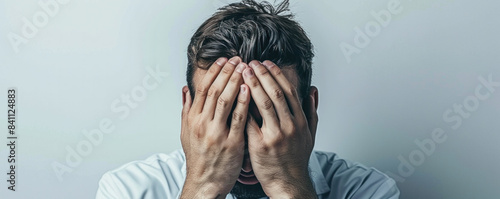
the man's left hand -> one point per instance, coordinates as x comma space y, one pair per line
280, 149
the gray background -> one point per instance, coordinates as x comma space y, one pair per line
373, 108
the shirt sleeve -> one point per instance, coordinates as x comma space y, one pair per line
343, 179
108, 188
386, 190
159, 176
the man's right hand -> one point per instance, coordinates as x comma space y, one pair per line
214, 150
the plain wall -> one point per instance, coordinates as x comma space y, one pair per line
391, 104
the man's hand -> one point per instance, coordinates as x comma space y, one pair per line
280, 149
214, 150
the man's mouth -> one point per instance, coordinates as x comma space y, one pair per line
247, 177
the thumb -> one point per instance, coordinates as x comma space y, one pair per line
186, 101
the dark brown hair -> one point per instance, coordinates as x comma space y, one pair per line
253, 31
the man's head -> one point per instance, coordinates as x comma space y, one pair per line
252, 31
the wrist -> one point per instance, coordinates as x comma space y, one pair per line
197, 189
292, 188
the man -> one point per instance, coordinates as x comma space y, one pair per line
248, 121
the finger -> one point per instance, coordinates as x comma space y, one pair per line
185, 110
186, 99
218, 86
226, 99
263, 102
289, 90
240, 113
253, 130
206, 82
273, 90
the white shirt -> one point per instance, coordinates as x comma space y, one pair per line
162, 176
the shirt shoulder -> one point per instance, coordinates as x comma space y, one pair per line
347, 179
158, 176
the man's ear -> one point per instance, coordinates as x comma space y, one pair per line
185, 89
314, 93
310, 109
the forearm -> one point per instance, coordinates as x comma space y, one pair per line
293, 188
199, 190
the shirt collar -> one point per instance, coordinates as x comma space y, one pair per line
317, 176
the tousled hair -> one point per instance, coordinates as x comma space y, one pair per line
253, 31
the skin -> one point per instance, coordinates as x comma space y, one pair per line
279, 148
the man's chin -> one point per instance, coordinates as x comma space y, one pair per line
242, 191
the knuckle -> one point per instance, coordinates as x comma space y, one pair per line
211, 140
226, 70
236, 127
268, 104
198, 134
234, 79
241, 101
291, 128
278, 93
201, 90
277, 139
262, 71
229, 146
238, 117
275, 70
263, 147
292, 91
213, 92
254, 83
222, 102
214, 68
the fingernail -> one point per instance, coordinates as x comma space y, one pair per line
221, 61
234, 61
240, 68
268, 64
243, 89
249, 72
253, 64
